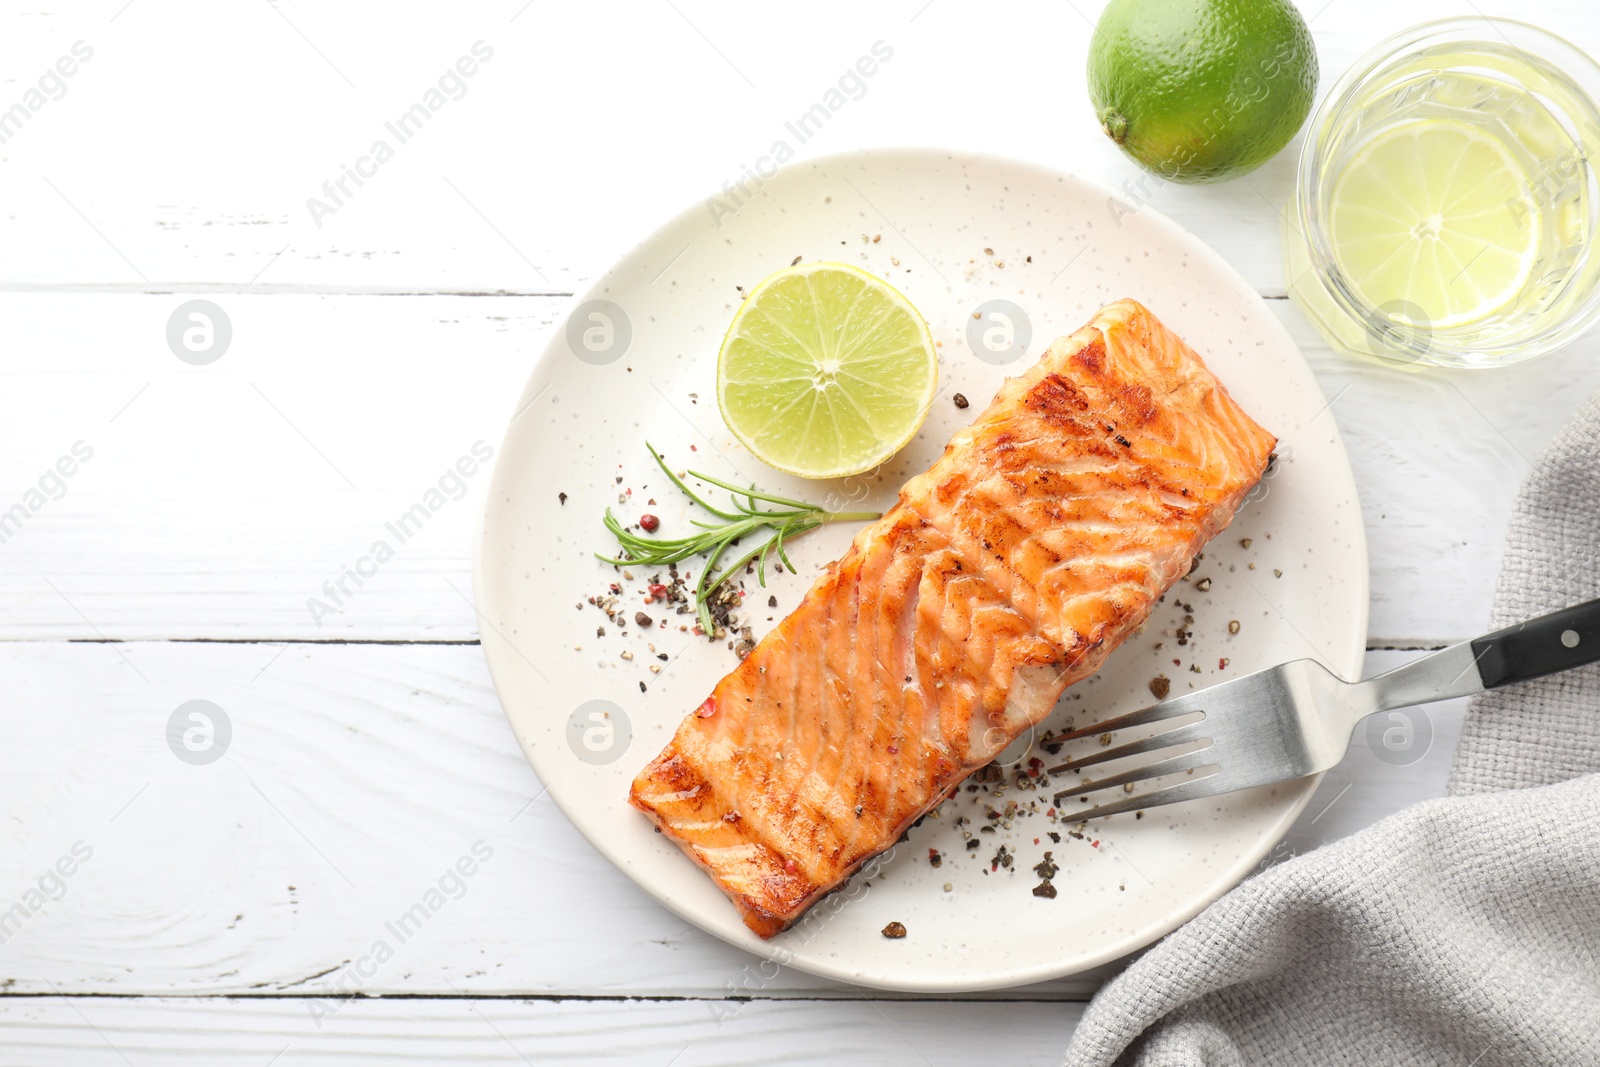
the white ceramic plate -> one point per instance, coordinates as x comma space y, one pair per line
952, 232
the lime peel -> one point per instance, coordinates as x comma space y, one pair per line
1202, 90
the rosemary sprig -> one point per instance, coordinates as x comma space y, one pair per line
788, 520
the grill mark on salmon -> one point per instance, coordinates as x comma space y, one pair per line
1009, 570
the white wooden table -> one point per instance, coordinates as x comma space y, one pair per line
221, 914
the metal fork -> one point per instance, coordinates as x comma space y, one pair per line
1296, 719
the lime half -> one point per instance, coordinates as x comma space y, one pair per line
1420, 217
825, 371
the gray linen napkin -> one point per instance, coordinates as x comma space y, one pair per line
1460, 931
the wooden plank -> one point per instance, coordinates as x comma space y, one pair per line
220, 499
356, 777
684, 1033
544, 164
1439, 457
354, 780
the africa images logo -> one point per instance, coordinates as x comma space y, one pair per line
851, 85
451, 486
451, 85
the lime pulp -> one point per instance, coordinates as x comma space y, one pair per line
1430, 221
825, 371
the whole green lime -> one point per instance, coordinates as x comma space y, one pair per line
1201, 90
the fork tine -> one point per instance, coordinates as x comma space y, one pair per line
1204, 784
1167, 709
1190, 732
1184, 761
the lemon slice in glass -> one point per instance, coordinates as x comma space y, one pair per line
825, 371
1424, 216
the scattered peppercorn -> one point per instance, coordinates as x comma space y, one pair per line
1233, 626
961, 401
772, 601
1160, 686
642, 619
1203, 584
895, 931
649, 523
563, 497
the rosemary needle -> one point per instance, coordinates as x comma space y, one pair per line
788, 519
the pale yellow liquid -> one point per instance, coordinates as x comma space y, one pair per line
1456, 206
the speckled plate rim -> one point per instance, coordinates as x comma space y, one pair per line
1347, 659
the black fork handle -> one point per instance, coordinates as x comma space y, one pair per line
1556, 642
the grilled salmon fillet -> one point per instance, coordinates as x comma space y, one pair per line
1009, 570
